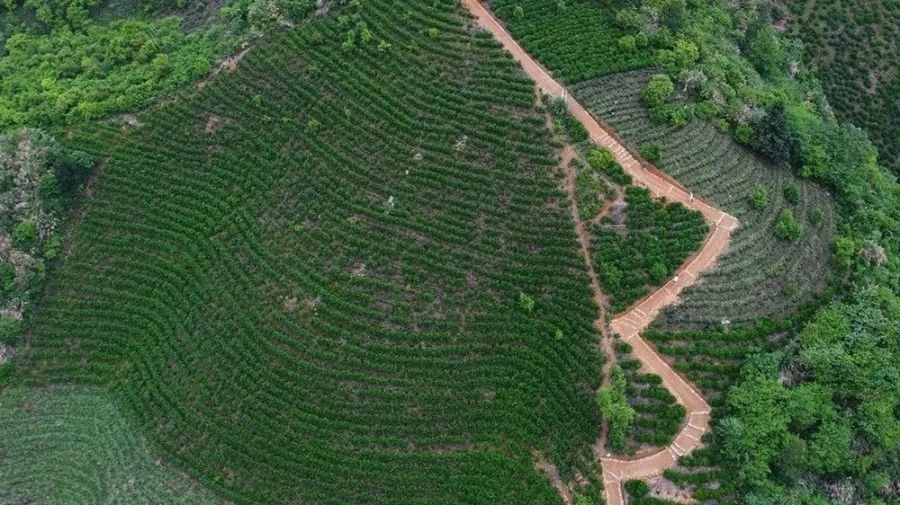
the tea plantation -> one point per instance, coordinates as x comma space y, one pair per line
576, 39
65, 445
302, 281
855, 46
761, 275
341, 252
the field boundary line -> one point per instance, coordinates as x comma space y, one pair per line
630, 324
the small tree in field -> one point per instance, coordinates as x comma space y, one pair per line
658, 90
787, 227
792, 194
658, 273
519, 13
759, 197
615, 409
651, 152
526, 302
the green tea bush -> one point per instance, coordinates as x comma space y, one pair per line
577, 41
747, 283
658, 237
658, 416
334, 317
79, 437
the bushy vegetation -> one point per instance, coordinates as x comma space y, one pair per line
617, 413
332, 311
841, 159
824, 412
855, 48
658, 416
59, 65
601, 160
70, 76
787, 227
760, 275
69, 445
728, 64
638, 493
656, 239
563, 121
40, 182
576, 39
591, 191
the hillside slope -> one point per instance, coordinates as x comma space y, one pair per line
303, 281
855, 46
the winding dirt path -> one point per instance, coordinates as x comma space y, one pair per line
629, 324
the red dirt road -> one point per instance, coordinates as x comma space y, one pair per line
633, 321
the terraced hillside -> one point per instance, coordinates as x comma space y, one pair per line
68, 445
855, 46
654, 239
761, 275
306, 281
576, 39
657, 415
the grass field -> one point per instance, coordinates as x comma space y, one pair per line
67, 445
760, 275
576, 39
855, 46
303, 280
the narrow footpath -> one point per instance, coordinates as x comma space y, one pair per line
629, 324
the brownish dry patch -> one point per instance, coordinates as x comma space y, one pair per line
214, 122
546, 467
228, 64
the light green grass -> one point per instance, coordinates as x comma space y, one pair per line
71, 446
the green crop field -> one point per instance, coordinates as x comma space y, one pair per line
855, 46
344, 252
657, 415
656, 238
760, 275
303, 281
66, 445
576, 39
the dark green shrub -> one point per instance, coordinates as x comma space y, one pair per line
25, 234
787, 227
602, 160
651, 152
792, 194
9, 329
658, 91
637, 488
759, 197
7, 278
